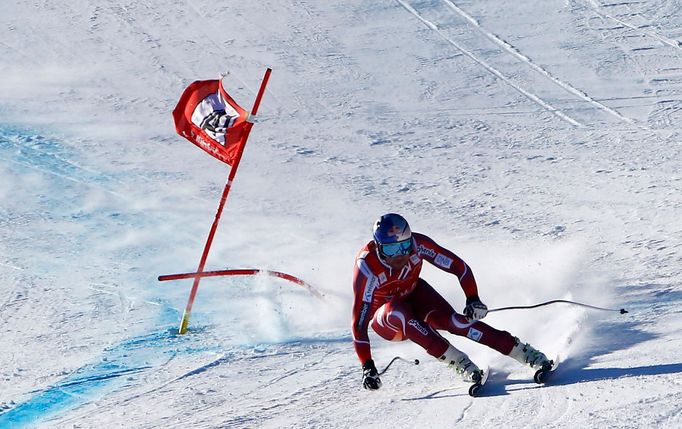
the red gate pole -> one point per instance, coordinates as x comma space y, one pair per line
233, 170
245, 272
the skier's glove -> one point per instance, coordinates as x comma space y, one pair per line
370, 376
475, 309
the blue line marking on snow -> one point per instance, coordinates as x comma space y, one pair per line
116, 369
120, 365
40, 153
128, 362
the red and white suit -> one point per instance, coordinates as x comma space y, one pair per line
400, 305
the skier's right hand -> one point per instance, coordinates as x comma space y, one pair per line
370, 376
475, 309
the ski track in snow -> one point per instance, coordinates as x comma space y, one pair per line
534, 98
596, 7
513, 51
667, 108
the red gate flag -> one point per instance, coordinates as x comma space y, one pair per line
207, 116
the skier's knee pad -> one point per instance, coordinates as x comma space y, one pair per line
389, 324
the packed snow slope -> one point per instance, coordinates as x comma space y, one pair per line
539, 140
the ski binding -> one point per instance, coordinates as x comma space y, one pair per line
475, 389
543, 374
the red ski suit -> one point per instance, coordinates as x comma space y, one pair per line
401, 306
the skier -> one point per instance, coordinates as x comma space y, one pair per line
390, 295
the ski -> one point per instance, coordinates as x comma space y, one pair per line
476, 388
543, 374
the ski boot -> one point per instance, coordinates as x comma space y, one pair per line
529, 355
465, 368
462, 365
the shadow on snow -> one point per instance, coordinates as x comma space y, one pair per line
613, 336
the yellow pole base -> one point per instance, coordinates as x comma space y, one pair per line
185, 323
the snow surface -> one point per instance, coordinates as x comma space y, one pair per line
539, 140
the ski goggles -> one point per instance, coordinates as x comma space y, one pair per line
396, 249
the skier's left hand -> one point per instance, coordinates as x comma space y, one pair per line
370, 376
475, 309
